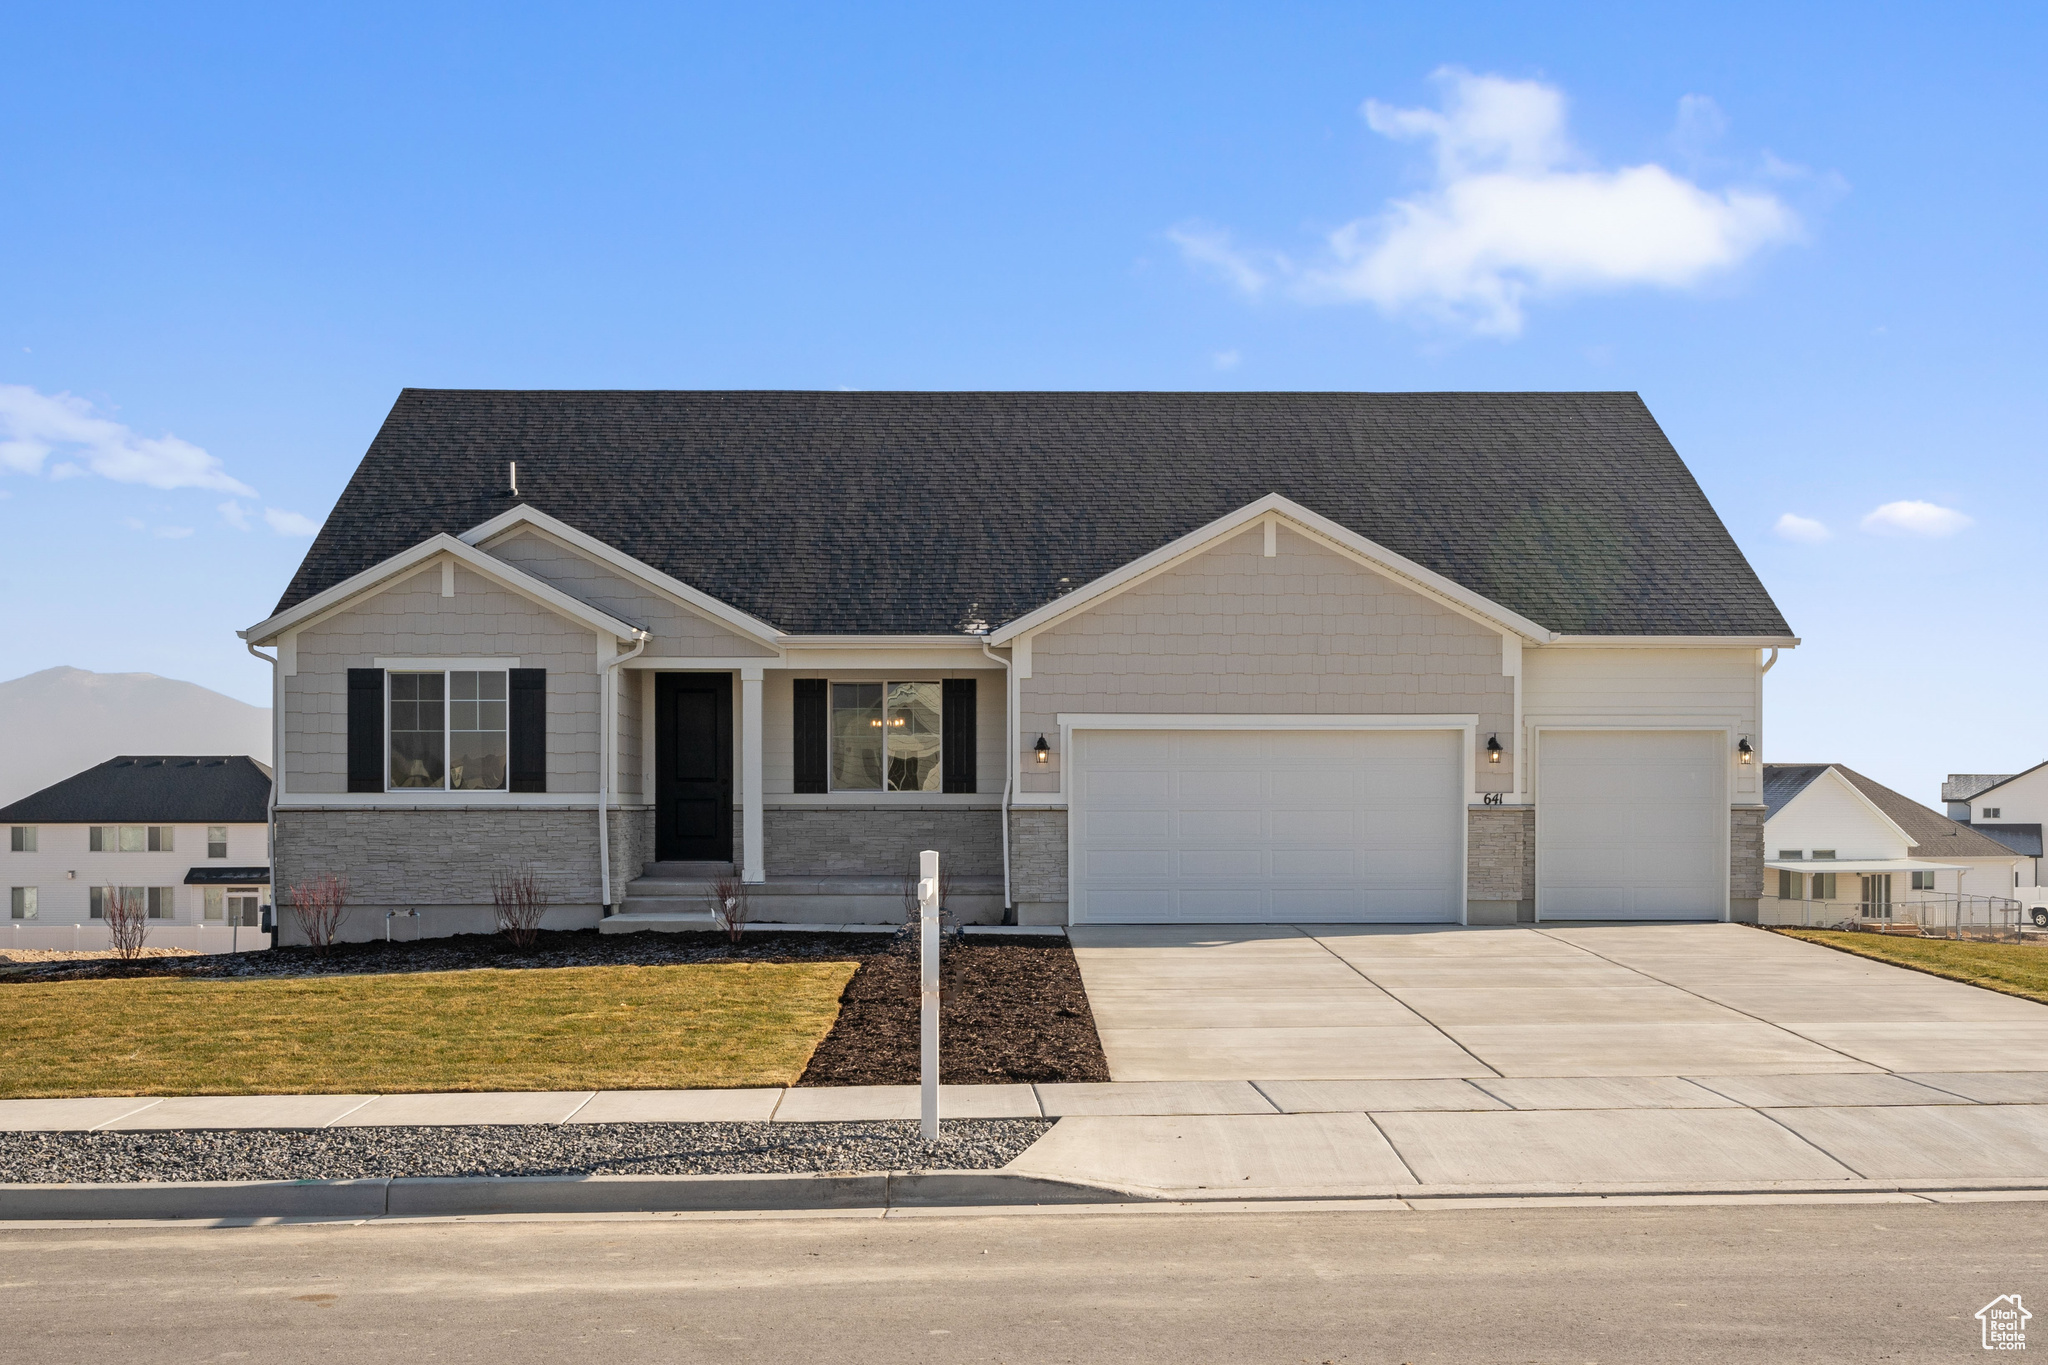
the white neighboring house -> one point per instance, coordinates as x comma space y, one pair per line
184, 836
2011, 808
1832, 834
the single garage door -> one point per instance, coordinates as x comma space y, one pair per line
1631, 824
1249, 826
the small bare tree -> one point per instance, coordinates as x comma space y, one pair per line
321, 906
127, 919
521, 901
730, 906
911, 908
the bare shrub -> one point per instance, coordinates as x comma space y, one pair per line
520, 901
730, 906
911, 908
127, 919
321, 907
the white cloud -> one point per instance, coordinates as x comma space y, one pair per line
234, 514
174, 532
1915, 519
1212, 250
34, 426
1700, 124
290, 523
1225, 360
1514, 212
134, 523
1792, 526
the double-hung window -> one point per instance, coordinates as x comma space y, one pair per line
887, 736
449, 730
216, 841
21, 902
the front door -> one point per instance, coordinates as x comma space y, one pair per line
1877, 896
693, 767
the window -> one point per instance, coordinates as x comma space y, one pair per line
215, 904
22, 839
886, 736
160, 840
448, 730
1923, 881
1789, 855
1788, 884
132, 897
1823, 854
130, 839
21, 902
162, 902
1823, 886
216, 841
1990, 813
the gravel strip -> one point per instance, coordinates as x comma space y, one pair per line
526, 1149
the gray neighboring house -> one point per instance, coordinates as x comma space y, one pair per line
2011, 808
1120, 657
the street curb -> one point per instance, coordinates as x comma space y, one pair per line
442, 1197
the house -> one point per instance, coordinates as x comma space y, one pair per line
1834, 835
185, 837
1119, 657
2008, 807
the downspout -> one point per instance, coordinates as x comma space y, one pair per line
276, 781
604, 765
1771, 662
1009, 767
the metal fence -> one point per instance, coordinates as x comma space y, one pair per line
1992, 919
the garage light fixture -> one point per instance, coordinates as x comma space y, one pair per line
1043, 751
1493, 749
1743, 753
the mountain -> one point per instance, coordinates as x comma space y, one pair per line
63, 720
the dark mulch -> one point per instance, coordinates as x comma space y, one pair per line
1012, 1010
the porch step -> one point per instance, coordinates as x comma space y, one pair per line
689, 871
823, 899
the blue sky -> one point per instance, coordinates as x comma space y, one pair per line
1811, 238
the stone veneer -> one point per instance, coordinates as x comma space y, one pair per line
881, 841
1745, 862
1038, 865
1500, 864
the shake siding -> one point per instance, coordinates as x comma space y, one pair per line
1714, 687
412, 620
1232, 632
778, 737
677, 630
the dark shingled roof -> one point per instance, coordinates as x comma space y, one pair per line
916, 512
1783, 781
153, 789
2025, 839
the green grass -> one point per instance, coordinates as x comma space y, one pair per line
571, 1028
2013, 968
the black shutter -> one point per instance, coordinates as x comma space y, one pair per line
812, 723
956, 734
529, 721
366, 729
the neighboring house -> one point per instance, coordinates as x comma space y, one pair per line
1833, 834
1118, 657
185, 837
2008, 807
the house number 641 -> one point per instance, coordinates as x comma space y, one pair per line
1491, 799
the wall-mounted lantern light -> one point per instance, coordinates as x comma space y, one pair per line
1743, 753
1043, 751
1493, 749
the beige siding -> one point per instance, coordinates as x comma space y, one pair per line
778, 733
411, 619
1705, 687
678, 631
1309, 631
630, 782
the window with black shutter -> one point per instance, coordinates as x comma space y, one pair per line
957, 729
366, 729
811, 728
529, 723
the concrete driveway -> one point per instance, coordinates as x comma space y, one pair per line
1336, 1003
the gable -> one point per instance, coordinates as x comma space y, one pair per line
1831, 813
675, 628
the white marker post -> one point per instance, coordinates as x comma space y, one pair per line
928, 993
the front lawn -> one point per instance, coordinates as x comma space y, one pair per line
572, 1028
2013, 968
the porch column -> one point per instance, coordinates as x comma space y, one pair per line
753, 867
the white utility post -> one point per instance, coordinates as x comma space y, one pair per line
928, 992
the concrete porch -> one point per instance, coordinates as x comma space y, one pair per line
675, 897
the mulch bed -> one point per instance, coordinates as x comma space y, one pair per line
1012, 1009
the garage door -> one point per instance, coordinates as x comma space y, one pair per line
1205, 826
1631, 824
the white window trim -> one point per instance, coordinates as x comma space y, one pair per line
444, 667
831, 740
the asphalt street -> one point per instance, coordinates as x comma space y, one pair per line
1848, 1282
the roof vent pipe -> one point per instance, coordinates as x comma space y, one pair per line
514, 467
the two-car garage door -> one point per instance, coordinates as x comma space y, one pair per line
1220, 826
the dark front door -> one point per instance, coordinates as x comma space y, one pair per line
693, 767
